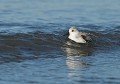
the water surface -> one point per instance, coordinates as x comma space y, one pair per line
34, 50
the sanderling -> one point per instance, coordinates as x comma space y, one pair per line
79, 37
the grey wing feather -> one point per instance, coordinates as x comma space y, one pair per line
85, 36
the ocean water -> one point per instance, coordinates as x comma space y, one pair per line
35, 50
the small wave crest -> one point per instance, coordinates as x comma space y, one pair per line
21, 45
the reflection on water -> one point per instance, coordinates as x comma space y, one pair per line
74, 49
74, 62
75, 65
75, 58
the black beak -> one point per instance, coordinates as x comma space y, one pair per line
66, 34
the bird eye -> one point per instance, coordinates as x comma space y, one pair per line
72, 30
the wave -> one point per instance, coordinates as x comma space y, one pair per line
21, 46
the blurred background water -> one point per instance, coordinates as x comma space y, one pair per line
34, 50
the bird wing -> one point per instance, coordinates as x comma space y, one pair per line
85, 36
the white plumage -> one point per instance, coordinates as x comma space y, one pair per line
79, 37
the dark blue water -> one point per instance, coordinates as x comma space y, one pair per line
34, 50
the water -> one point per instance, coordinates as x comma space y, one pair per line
34, 50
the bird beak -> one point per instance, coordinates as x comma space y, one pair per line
66, 34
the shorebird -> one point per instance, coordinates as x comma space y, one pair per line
79, 37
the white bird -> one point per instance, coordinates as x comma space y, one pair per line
79, 37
